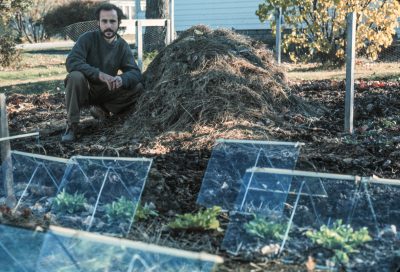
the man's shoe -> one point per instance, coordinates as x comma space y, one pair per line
70, 133
99, 114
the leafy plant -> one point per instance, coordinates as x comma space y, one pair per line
203, 220
340, 238
70, 203
144, 212
386, 123
122, 209
263, 228
318, 27
8, 52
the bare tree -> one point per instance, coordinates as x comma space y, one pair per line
29, 23
154, 37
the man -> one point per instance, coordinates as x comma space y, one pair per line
93, 78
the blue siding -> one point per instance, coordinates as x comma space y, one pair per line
237, 14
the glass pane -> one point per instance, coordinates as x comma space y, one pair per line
264, 190
100, 194
312, 200
229, 161
67, 250
19, 249
36, 180
249, 233
377, 207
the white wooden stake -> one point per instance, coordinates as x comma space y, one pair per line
350, 67
172, 18
6, 155
139, 43
278, 17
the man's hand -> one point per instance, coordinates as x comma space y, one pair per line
117, 83
113, 83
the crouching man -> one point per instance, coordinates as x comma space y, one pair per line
93, 65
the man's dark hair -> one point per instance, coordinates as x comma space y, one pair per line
108, 6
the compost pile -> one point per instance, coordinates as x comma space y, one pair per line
210, 77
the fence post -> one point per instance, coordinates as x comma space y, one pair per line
278, 18
6, 155
168, 35
137, 10
172, 18
139, 29
350, 66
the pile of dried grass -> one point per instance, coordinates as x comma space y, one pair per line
209, 77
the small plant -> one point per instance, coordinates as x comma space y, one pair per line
263, 228
203, 220
122, 209
144, 212
69, 203
340, 238
385, 123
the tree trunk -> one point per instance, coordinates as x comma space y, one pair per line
154, 37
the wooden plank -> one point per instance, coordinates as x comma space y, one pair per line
153, 22
118, 242
6, 155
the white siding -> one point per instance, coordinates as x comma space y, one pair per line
237, 14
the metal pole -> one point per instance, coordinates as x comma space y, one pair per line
278, 17
350, 67
172, 18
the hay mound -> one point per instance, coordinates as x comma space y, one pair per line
209, 77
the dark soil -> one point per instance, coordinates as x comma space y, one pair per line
180, 159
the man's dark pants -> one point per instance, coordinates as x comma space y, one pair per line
81, 93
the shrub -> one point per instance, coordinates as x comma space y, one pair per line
8, 52
74, 12
318, 28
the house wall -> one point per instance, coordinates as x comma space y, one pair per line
236, 14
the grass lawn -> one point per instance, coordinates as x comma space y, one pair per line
38, 72
364, 70
34, 73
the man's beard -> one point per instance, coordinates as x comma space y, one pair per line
114, 33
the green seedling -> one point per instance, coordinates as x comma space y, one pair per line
146, 211
385, 123
65, 202
263, 228
203, 220
342, 239
122, 209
